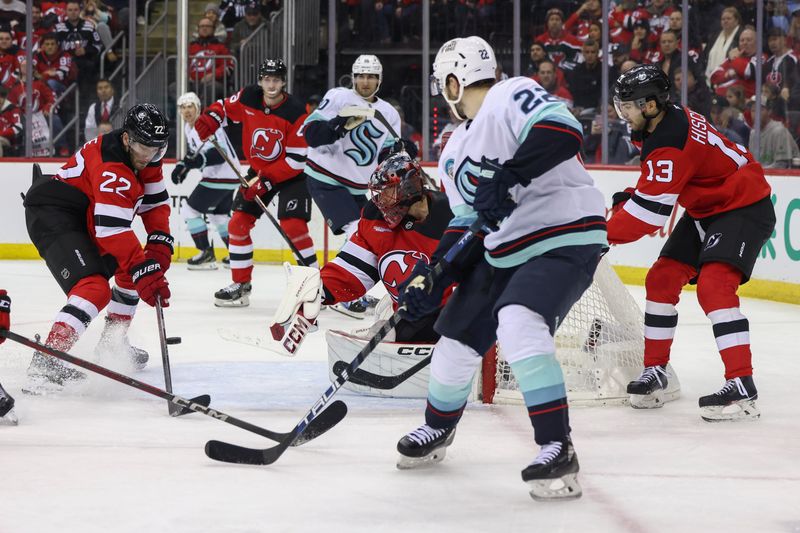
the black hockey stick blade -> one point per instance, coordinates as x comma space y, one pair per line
175, 410
232, 453
377, 381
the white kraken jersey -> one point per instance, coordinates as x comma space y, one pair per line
219, 175
464, 214
350, 161
560, 207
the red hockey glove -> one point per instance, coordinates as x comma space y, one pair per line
259, 187
149, 281
159, 247
5, 312
207, 123
619, 199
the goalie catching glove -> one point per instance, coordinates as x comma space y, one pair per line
297, 313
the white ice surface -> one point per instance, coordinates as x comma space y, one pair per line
108, 458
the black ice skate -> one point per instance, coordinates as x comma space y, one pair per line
355, 309
234, 295
553, 475
7, 415
654, 387
47, 375
424, 446
736, 400
205, 260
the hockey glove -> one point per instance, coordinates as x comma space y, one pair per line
149, 281
338, 125
194, 161
492, 201
258, 186
399, 145
207, 123
619, 199
418, 296
5, 312
179, 173
159, 247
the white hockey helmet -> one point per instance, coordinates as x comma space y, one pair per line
469, 59
367, 64
190, 98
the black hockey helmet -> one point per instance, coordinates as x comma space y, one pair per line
147, 127
642, 83
396, 185
272, 67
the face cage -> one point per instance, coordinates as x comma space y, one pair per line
152, 154
394, 202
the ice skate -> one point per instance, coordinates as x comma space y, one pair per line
234, 295
653, 388
7, 414
205, 260
355, 309
736, 400
424, 446
553, 475
48, 375
114, 343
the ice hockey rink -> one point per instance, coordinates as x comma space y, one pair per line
108, 458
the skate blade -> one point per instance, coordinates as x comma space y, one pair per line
244, 301
654, 400
737, 411
202, 266
563, 488
41, 386
9, 419
345, 311
410, 463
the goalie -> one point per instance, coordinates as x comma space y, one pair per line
400, 225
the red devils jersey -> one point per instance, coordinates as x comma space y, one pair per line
271, 136
103, 172
686, 161
376, 252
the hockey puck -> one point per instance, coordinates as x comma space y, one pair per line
173, 340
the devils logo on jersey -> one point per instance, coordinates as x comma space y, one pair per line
267, 144
396, 266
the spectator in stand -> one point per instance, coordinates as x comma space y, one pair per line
559, 44
644, 43
620, 148
10, 125
724, 119
245, 27
585, 78
777, 146
52, 66
793, 35
80, 38
375, 18
776, 15
669, 57
408, 19
698, 96
537, 55
620, 53
578, 23
657, 14
621, 21
103, 127
747, 12
627, 65
101, 110
781, 68
98, 14
9, 59
12, 14
231, 12
207, 73
547, 79
220, 31
723, 45
676, 25
739, 69
40, 27
737, 101
42, 107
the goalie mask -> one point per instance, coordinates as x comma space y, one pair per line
396, 185
469, 59
367, 64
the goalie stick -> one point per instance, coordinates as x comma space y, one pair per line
231, 453
333, 415
260, 202
377, 381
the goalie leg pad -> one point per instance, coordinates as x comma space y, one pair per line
297, 313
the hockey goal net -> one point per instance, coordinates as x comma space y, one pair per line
600, 346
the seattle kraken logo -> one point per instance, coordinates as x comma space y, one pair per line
466, 179
363, 139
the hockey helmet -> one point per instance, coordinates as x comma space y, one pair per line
190, 98
272, 67
147, 131
640, 84
396, 185
469, 59
367, 64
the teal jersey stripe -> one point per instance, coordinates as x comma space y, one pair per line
540, 378
220, 186
541, 247
555, 111
330, 181
447, 397
314, 116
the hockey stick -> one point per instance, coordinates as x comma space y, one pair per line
260, 202
231, 453
377, 381
382, 119
174, 410
332, 416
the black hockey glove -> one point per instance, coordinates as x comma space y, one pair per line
399, 145
418, 297
179, 173
337, 124
492, 201
5, 312
194, 161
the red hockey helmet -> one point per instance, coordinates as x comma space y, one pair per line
396, 185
